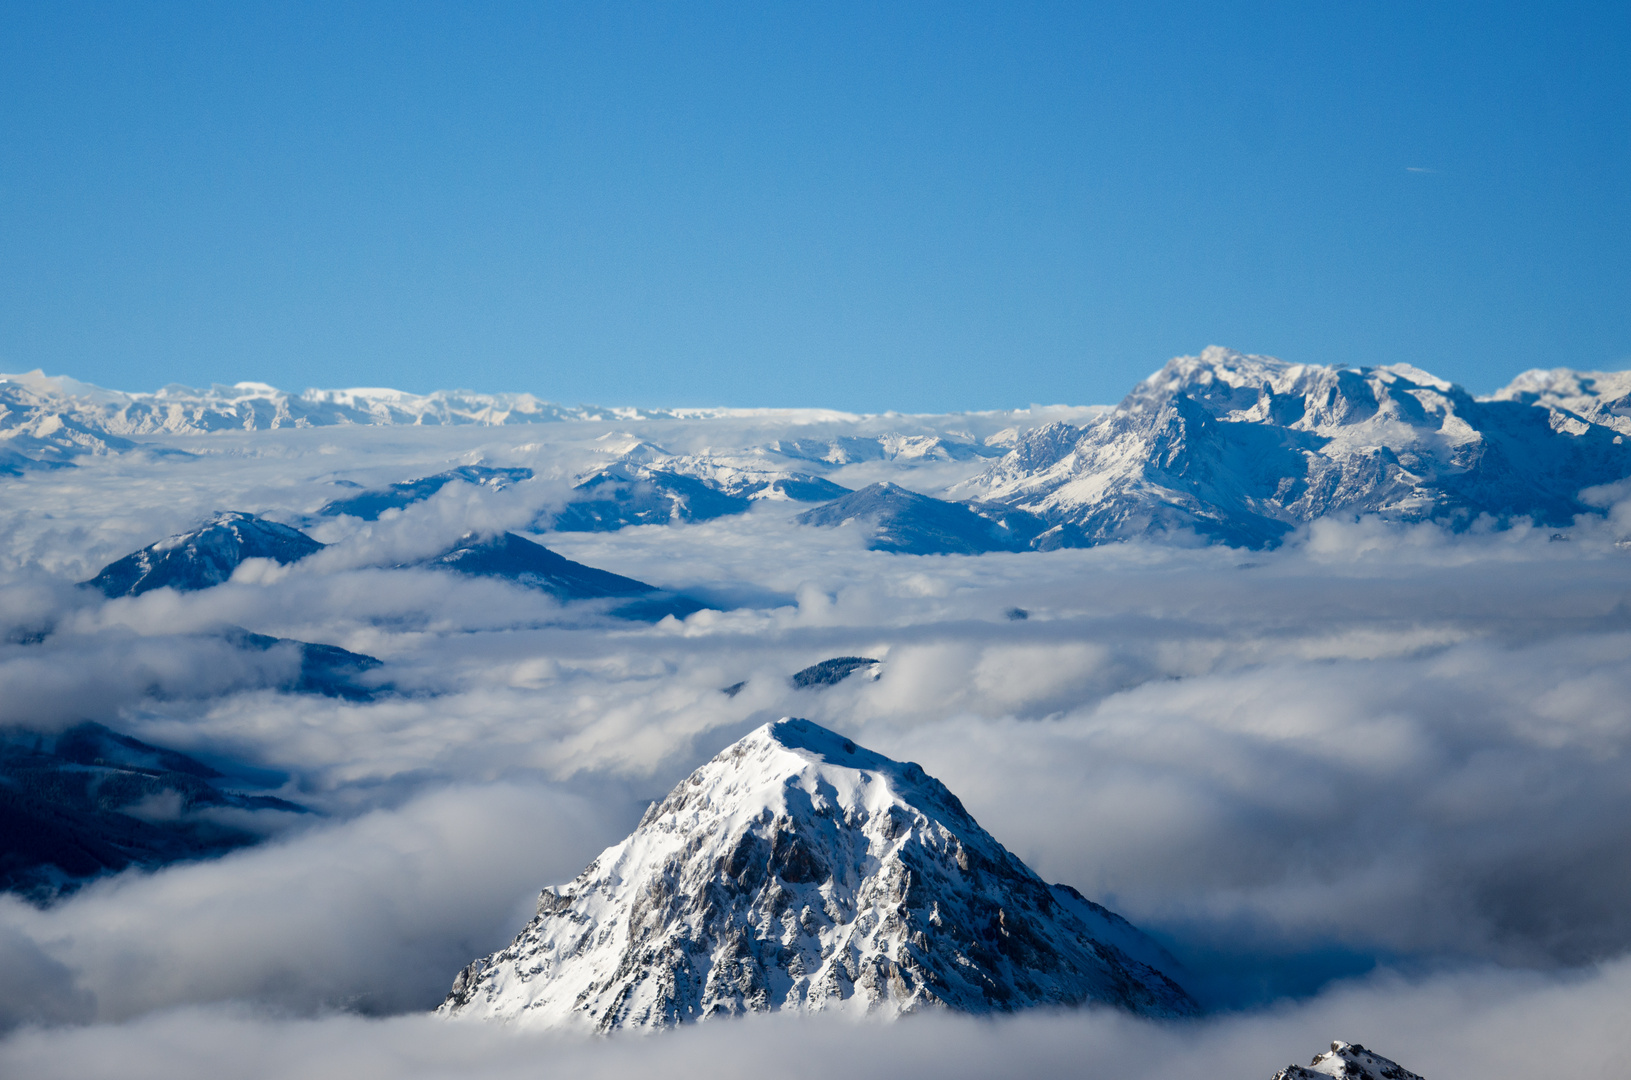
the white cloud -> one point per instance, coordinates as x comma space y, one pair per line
1487, 1023
372, 914
1380, 744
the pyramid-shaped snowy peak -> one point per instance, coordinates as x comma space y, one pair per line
799, 871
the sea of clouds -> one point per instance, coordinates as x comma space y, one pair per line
1374, 785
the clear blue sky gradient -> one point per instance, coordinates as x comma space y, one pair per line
918, 207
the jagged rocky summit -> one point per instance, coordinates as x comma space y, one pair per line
1349, 1060
799, 871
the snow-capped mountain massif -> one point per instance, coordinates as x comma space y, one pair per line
798, 871
1348, 1060
1243, 449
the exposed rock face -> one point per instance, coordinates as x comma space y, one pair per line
1242, 449
1348, 1060
204, 557
798, 871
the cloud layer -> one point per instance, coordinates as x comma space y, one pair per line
1381, 755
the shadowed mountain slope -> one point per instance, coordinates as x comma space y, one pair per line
908, 523
204, 557
515, 558
88, 801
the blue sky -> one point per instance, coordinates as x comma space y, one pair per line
915, 207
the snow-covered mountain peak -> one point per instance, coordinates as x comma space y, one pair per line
793, 766
797, 870
1350, 1061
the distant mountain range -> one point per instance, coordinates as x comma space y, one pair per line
798, 871
1220, 447
31, 400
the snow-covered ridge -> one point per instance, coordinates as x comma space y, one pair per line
799, 871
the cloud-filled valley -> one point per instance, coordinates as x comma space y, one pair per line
1366, 782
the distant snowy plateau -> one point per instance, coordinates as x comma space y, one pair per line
1290, 700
